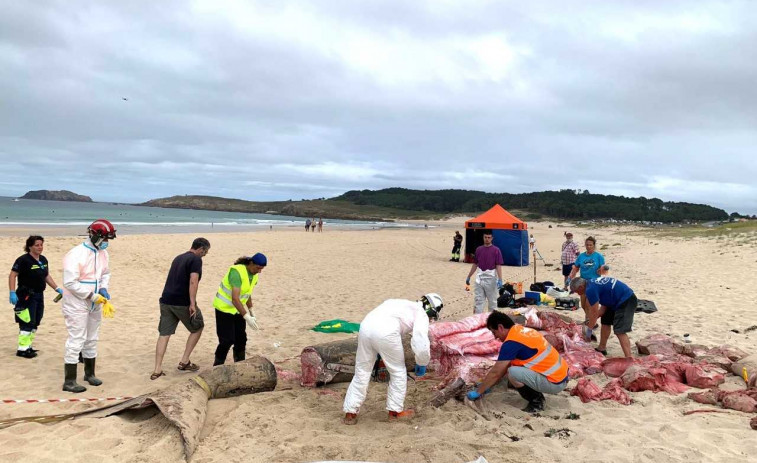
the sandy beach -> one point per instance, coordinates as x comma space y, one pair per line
701, 287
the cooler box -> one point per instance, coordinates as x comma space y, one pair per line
535, 295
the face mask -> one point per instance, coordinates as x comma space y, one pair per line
103, 246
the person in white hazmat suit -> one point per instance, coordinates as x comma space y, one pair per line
381, 333
86, 276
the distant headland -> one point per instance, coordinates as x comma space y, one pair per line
58, 195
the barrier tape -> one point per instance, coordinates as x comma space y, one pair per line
51, 401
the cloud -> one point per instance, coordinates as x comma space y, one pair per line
308, 99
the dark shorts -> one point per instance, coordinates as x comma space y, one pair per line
171, 315
566, 269
621, 318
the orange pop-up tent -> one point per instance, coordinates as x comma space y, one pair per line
509, 233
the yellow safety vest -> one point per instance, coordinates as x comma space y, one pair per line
222, 300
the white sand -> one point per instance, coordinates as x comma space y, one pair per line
701, 287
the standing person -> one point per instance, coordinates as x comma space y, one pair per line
457, 243
568, 256
533, 367
86, 277
178, 303
488, 260
28, 298
313, 225
614, 303
589, 264
532, 243
233, 304
381, 333
307, 225
320, 224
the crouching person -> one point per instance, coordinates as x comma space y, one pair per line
533, 367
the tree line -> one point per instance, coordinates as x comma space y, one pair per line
564, 204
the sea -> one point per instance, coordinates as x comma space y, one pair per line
37, 215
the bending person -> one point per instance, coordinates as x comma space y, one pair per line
28, 298
86, 277
612, 301
233, 304
533, 367
381, 334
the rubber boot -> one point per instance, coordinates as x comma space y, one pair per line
239, 356
70, 384
89, 372
535, 399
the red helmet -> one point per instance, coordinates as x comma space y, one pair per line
101, 229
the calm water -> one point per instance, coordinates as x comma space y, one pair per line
36, 213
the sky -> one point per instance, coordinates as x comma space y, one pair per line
261, 100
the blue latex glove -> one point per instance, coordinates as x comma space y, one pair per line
13, 298
499, 283
587, 332
467, 281
104, 293
420, 370
473, 395
59, 291
476, 385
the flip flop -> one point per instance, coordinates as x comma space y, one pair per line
155, 376
189, 366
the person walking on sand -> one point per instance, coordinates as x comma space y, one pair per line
568, 256
178, 303
86, 277
457, 243
307, 225
488, 260
233, 304
320, 224
28, 298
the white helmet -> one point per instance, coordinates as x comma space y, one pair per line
433, 304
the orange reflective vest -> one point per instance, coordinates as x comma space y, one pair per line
547, 361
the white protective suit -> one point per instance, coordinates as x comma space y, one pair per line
85, 271
381, 333
485, 291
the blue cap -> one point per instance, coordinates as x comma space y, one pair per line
259, 259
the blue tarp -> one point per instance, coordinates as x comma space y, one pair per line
513, 244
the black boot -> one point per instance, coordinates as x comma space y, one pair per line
89, 372
70, 384
239, 355
535, 399
219, 361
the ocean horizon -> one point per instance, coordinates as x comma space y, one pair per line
22, 213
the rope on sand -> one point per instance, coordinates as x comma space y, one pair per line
50, 401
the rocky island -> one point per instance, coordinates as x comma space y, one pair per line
58, 195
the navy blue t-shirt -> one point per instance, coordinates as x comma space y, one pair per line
176, 289
609, 292
512, 350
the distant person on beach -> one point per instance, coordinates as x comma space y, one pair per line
320, 224
28, 298
313, 224
86, 277
488, 260
532, 243
568, 256
457, 243
233, 304
307, 224
589, 264
178, 303
614, 303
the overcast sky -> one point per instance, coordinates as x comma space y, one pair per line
305, 99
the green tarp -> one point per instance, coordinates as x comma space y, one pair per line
337, 326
